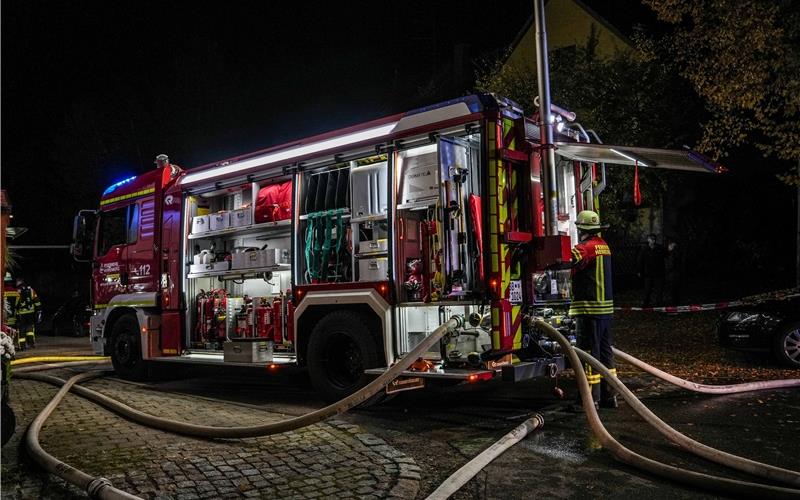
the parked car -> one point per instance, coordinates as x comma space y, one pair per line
71, 318
769, 322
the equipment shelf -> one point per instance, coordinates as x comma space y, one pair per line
240, 273
264, 227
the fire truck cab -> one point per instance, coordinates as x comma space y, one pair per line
340, 252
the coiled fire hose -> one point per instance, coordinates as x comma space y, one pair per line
625, 455
96, 487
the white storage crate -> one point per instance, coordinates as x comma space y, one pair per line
242, 217
200, 268
374, 269
200, 224
220, 220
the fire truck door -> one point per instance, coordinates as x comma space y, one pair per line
108, 274
141, 255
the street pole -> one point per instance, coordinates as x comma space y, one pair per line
547, 147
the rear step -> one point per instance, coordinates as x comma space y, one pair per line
217, 359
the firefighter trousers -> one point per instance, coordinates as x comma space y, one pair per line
594, 336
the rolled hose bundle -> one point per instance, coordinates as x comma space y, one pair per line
625, 455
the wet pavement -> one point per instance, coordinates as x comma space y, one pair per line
432, 432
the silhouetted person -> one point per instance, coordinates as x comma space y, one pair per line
674, 271
651, 269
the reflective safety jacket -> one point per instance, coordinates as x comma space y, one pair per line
592, 294
28, 301
10, 300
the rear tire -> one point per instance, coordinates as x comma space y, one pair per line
126, 349
340, 349
787, 345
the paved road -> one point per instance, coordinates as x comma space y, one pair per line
406, 446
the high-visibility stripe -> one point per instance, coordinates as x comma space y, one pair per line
576, 253
601, 281
128, 196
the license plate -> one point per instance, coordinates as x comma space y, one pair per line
405, 384
515, 292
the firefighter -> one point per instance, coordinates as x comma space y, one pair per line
592, 306
10, 302
28, 309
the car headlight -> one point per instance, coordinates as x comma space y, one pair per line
742, 317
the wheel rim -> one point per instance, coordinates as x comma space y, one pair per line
791, 345
123, 349
344, 363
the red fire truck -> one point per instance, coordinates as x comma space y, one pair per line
340, 252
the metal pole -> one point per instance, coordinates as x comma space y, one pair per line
546, 126
797, 248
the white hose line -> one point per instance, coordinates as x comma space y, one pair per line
313, 417
743, 464
96, 487
53, 366
704, 388
623, 454
462, 476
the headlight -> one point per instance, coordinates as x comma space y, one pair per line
742, 317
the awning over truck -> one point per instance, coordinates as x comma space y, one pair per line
672, 159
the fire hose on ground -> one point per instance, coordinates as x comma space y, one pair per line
101, 488
705, 481
463, 475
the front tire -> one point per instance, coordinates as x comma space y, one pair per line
340, 349
126, 349
787, 345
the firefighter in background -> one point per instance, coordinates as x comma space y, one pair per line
592, 304
28, 309
10, 301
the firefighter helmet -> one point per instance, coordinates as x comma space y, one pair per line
588, 220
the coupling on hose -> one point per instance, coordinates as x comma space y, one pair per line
97, 485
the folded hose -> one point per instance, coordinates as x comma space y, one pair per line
625, 455
313, 417
460, 477
96, 487
766, 471
704, 388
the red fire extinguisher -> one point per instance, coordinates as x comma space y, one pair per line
264, 319
277, 320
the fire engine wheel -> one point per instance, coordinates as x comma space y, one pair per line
340, 349
787, 345
126, 349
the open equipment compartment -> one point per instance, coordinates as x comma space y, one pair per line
238, 269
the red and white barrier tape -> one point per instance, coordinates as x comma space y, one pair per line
684, 309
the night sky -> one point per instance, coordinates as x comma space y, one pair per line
92, 92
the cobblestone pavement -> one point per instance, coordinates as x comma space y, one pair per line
331, 459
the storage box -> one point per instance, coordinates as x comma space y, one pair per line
200, 268
247, 351
254, 258
200, 224
222, 265
242, 217
374, 269
380, 245
219, 220
419, 178
241, 260
370, 189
